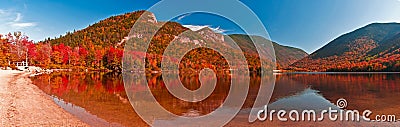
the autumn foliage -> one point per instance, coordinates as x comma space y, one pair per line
375, 47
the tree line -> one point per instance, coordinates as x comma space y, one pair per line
18, 48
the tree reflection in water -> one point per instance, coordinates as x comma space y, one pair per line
103, 94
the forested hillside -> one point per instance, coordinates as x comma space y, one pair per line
101, 47
375, 47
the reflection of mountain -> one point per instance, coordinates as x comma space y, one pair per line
303, 100
376, 92
101, 95
375, 47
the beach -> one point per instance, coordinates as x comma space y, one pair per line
24, 104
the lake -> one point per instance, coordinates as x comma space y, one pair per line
99, 99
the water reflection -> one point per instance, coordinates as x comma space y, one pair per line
83, 114
378, 92
103, 95
100, 94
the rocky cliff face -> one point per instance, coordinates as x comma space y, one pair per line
207, 33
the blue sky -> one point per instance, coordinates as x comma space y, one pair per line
307, 24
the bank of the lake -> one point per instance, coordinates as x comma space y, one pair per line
24, 104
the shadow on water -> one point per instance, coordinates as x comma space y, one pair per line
101, 98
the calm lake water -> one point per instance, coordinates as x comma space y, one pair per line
99, 99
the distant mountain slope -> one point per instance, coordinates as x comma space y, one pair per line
374, 47
377, 32
285, 55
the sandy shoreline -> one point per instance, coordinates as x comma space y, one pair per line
24, 104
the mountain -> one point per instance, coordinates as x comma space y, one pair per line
107, 32
285, 55
374, 47
101, 45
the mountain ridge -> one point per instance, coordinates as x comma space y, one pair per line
285, 55
109, 36
385, 31
373, 47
